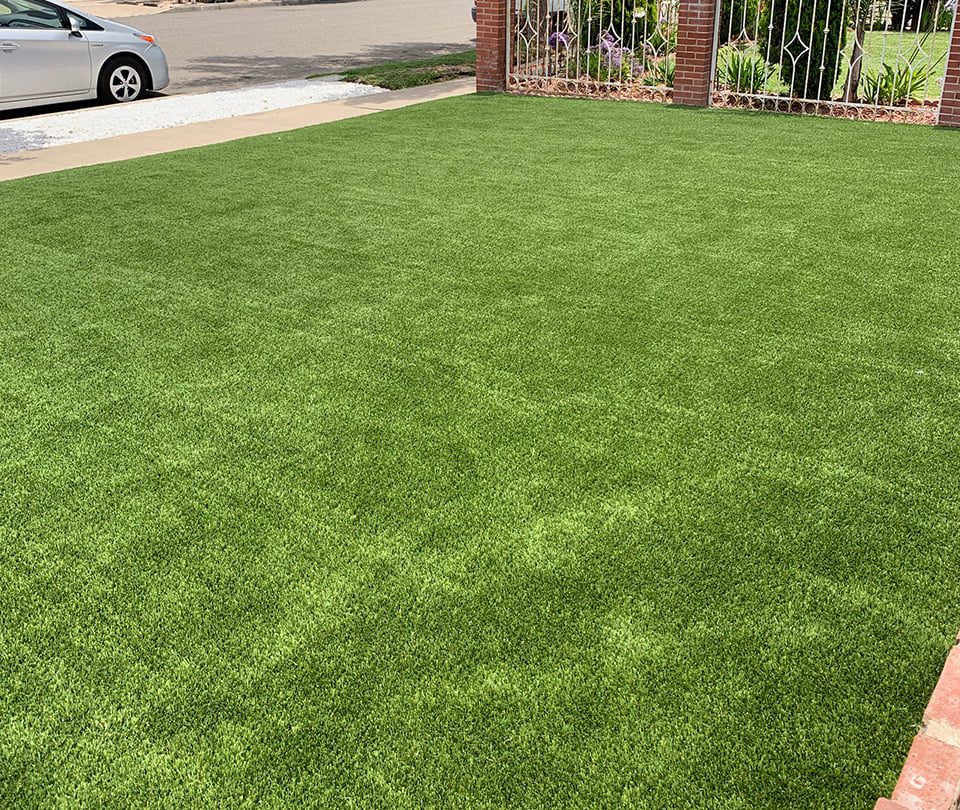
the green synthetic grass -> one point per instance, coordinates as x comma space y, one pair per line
494, 452
415, 72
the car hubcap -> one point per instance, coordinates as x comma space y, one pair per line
125, 84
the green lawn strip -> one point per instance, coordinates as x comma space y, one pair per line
415, 72
372, 465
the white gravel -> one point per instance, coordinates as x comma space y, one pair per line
92, 124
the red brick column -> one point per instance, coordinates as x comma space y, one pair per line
950, 102
698, 22
491, 45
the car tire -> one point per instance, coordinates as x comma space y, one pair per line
122, 80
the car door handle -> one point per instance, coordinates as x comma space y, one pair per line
9, 47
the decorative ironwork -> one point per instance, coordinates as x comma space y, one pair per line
615, 48
865, 59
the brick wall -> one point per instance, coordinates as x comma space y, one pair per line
950, 102
694, 52
491, 45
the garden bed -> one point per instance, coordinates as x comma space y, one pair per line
916, 112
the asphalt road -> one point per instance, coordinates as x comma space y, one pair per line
217, 47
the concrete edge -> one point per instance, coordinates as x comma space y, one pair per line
930, 779
20, 165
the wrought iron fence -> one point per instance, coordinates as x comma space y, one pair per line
876, 59
620, 48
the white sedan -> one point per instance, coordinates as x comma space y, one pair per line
52, 54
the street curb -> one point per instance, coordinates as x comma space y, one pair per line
930, 779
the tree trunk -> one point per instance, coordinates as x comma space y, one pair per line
543, 19
856, 58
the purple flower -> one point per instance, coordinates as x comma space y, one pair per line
608, 43
612, 52
558, 40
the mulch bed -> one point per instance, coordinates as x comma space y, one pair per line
914, 113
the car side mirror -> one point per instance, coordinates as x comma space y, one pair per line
74, 26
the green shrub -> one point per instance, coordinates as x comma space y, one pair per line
629, 21
945, 20
743, 71
661, 74
895, 85
603, 67
738, 21
917, 15
823, 28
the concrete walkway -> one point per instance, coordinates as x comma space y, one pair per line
119, 11
125, 147
97, 123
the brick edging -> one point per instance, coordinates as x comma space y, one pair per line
930, 779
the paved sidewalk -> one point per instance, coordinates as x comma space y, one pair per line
111, 150
118, 11
47, 130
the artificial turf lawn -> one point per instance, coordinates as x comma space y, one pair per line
497, 451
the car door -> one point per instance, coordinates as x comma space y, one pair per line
39, 55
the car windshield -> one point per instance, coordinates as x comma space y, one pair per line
28, 14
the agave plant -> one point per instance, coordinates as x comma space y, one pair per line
744, 71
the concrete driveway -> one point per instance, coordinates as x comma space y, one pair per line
216, 47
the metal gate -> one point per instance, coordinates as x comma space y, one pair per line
619, 48
874, 59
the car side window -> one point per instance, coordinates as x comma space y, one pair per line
82, 23
29, 14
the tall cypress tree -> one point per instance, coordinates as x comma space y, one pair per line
738, 21
806, 38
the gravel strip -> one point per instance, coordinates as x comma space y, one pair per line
79, 126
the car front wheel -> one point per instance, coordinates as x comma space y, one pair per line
121, 81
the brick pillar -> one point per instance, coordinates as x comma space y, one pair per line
950, 102
491, 45
697, 27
